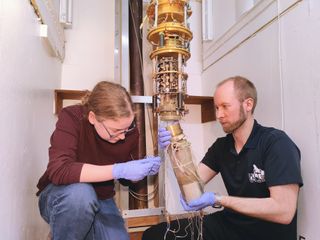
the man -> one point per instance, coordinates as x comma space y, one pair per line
260, 168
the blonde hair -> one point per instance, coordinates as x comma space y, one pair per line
108, 101
244, 89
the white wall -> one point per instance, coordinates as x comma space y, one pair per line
28, 76
223, 16
191, 123
301, 94
283, 61
89, 45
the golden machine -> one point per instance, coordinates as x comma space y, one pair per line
170, 36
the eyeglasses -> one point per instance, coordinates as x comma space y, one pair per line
125, 132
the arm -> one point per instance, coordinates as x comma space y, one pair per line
280, 207
133, 170
95, 173
206, 173
63, 167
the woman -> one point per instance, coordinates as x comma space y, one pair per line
93, 144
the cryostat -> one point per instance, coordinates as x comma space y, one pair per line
170, 37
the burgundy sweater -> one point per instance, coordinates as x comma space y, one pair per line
75, 142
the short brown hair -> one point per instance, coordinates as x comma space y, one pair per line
109, 100
244, 89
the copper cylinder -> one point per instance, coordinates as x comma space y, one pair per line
184, 169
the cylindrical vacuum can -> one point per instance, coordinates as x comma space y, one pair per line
185, 171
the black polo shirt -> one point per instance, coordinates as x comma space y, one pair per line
269, 158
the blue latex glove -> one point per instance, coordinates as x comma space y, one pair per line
206, 199
164, 138
137, 169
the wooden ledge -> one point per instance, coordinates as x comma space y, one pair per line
62, 94
144, 221
206, 103
208, 113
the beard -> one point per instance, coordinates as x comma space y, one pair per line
231, 127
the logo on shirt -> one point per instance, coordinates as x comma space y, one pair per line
257, 176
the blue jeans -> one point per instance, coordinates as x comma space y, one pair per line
75, 213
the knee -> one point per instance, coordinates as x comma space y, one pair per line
80, 196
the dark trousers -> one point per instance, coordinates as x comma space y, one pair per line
221, 226
188, 230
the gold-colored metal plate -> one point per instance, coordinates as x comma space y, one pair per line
169, 28
168, 52
169, 10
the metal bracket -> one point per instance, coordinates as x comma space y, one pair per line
143, 212
142, 99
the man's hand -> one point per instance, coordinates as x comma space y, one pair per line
206, 199
136, 170
164, 138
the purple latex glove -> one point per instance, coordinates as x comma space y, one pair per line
136, 170
206, 199
164, 138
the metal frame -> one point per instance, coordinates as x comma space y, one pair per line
121, 44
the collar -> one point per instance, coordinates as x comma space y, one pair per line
252, 140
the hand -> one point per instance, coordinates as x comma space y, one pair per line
164, 138
206, 199
137, 169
